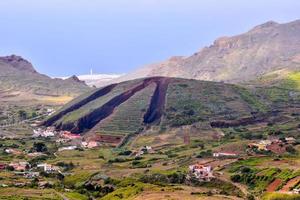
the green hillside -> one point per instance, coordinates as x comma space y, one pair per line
133, 106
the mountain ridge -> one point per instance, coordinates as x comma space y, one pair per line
265, 48
20, 81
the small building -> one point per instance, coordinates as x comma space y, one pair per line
28, 174
296, 191
69, 135
3, 185
35, 154
31, 175
144, 150
224, 154
67, 148
20, 166
45, 184
12, 151
2, 166
62, 140
290, 140
50, 111
91, 144
48, 168
201, 172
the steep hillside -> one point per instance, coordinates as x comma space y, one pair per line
265, 48
20, 81
130, 107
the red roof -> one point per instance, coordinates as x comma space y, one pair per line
2, 166
70, 135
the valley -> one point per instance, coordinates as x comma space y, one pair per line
223, 123
148, 134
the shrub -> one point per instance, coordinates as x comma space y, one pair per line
236, 178
290, 149
39, 147
125, 153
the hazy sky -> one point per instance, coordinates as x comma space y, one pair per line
65, 37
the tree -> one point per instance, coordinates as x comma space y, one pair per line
39, 147
246, 170
250, 197
10, 168
235, 178
34, 114
22, 114
60, 177
290, 149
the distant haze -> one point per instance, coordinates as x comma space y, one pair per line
66, 37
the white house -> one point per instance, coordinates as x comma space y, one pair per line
224, 154
144, 149
49, 132
67, 148
201, 172
48, 168
290, 140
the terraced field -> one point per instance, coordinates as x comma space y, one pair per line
133, 106
128, 118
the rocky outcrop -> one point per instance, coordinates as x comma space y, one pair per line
18, 63
75, 79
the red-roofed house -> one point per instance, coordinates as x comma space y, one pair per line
69, 135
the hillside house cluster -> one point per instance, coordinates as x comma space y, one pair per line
23, 168
200, 172
274, 145
48, 132
67, 136
62, 136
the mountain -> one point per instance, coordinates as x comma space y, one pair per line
18, 63
265, 48
118, 110
20, 81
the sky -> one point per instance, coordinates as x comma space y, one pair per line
66, 37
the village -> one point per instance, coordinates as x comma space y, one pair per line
198, 171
